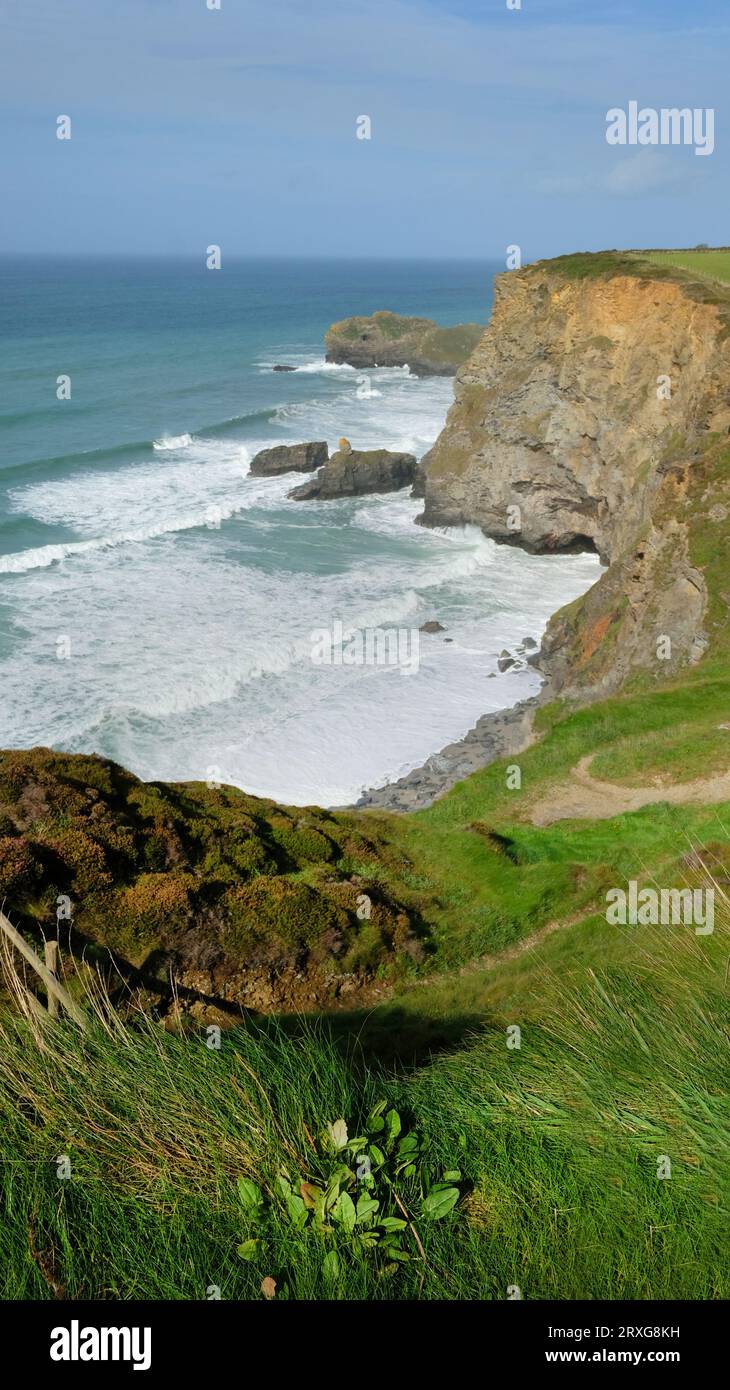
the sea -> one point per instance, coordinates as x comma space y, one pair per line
161, 607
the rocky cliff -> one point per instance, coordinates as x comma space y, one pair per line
594, 413
392, 340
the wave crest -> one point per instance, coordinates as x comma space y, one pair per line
172, 441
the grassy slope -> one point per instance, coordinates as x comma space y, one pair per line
558, 1144
621, 1058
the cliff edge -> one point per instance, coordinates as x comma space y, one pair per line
595, 413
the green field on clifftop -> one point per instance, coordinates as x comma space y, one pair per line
714, 263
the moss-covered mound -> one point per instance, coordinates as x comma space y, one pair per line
204, 883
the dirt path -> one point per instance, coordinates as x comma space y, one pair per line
588, 798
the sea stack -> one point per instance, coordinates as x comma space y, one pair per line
357, 472
289, 458
392, 340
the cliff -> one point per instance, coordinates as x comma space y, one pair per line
594, 413
391, 340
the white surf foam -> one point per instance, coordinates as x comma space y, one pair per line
170, 442
197, 655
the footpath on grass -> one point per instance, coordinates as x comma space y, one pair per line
584, 797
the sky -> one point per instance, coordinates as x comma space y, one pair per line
236, 126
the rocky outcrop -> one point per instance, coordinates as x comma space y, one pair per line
357, 472
391, 340
593, 414
289, 458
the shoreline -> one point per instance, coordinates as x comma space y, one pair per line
494, 735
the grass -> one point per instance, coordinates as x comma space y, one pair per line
489, 892
557, 1142
668, 756
713, 262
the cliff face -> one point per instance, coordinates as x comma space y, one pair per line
593, 414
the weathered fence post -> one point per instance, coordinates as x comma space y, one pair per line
53, 985
51, 956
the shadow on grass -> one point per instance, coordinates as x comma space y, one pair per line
399, 1039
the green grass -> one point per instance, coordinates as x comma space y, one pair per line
713, 262
487, 894
669, 755
589, 265
557, 1142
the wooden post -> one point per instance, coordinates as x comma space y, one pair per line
53, 986
51, 955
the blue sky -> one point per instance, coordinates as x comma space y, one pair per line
237, 126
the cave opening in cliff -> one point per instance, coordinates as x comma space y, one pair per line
575, 544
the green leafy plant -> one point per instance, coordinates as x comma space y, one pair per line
371, 1191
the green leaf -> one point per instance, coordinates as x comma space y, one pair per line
392, 1127
439, 1201
394, 1251
376, 1156
297, 1212
393, 1223
331, 1266
409, 1145
366, 1208
344, 1212
452, 1175
248, 1249
375, 1123
341, 1177
250, 1196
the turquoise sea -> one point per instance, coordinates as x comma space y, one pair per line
157, 605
